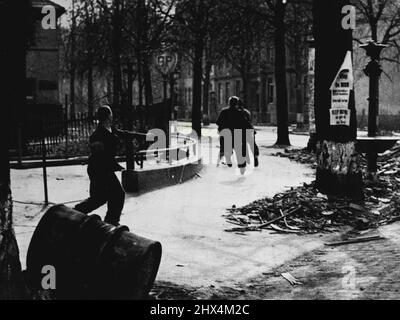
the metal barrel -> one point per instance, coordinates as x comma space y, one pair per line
91, 259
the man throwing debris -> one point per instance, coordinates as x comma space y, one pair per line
104, 184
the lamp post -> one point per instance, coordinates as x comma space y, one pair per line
166, 63
373, 70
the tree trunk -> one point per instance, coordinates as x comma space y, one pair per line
139, 60
148, 89
72, 91
90, 84
206, 93
312, 141
141, 111
280, 75
374, 30
72, 69
12, 76
116, 52
338, 170
245, 80
299, 79
197, 77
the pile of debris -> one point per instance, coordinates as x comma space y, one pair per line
305, 210
299, 155
388, 162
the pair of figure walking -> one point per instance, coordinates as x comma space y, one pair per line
237, 134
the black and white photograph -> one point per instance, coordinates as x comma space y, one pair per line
199, 151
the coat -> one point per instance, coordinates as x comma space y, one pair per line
103, 149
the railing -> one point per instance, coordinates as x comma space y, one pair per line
59, 136
171, 154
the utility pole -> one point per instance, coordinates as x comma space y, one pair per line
338, 169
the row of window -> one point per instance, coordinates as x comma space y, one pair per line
34, 85
269, 55
224, 91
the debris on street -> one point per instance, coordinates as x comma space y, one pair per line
304, 210
354, 240
292, 280
299, 155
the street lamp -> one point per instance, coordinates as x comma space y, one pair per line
166, 63
373, 70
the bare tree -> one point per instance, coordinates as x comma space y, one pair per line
380, 22
193, 26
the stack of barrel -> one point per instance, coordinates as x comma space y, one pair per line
91, 259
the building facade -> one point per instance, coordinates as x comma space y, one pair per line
42, 62
226, 81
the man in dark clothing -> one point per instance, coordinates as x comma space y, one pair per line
232, 126
252, 144
104, 184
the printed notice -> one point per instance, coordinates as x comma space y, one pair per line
340, 98
342, 85
340, 117
344, 78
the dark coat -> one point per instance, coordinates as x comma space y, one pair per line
103, 149
232, 118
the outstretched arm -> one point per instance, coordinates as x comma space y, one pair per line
125, 134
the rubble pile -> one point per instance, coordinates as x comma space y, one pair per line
299, 155
388, 162
305, 210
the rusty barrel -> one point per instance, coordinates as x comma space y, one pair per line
91, 259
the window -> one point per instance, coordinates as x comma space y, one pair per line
227, 91
271, 90
220, 94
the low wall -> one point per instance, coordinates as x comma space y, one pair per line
155, 178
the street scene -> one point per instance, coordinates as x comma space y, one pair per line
170, 150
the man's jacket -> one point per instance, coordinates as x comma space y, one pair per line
103, 149
232, 118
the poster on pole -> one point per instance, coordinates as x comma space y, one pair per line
340, 93
340, 117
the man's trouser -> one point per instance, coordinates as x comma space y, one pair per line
255, 150
104, 188
238, 144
